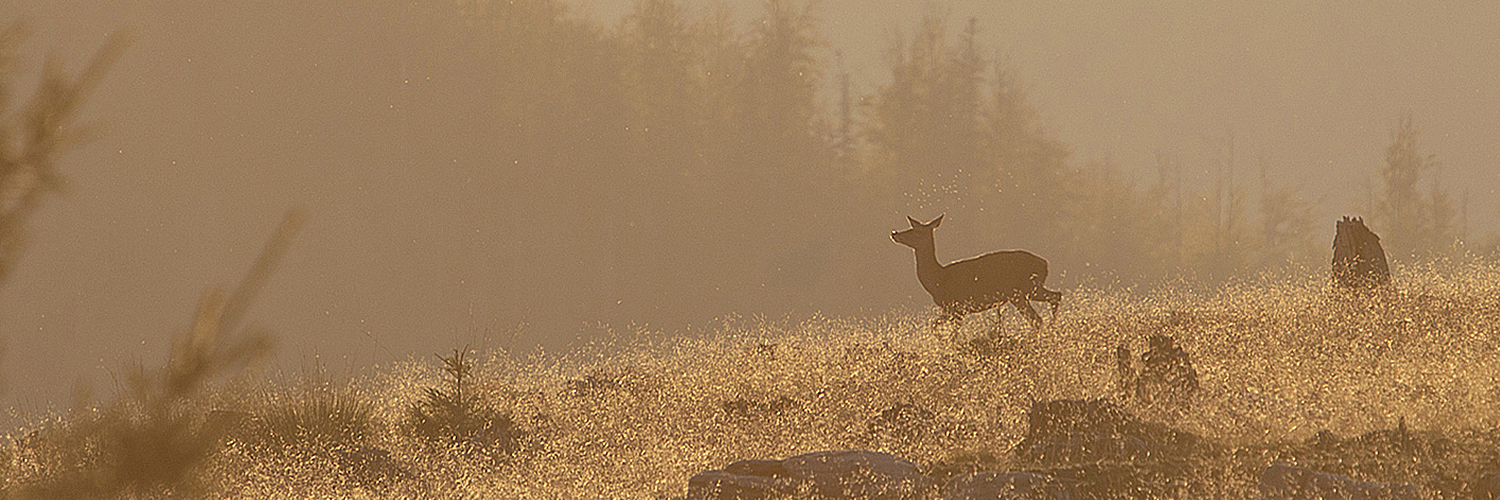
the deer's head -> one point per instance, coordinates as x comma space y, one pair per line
919, 235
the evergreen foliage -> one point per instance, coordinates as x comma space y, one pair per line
34, 137
455, 418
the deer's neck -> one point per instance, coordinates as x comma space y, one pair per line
928, 267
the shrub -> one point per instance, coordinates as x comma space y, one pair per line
320, 421
458, 418
155, 440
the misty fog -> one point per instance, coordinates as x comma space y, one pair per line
537, 173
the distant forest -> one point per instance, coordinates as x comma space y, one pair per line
678, 161
680, 147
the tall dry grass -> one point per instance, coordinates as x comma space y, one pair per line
1279, 358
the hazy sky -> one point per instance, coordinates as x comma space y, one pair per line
218, 107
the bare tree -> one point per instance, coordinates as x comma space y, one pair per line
1286, 222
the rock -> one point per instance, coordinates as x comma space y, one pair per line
1167, 375
1289, 482
1007, 486
722, 484
1443, 466
1358, 260
1075, 432
858, 474
1107, 453
824, 474
1075, 416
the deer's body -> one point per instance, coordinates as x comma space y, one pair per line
980, 283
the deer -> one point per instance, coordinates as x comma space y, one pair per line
981, 283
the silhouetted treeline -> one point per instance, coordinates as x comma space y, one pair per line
680, 165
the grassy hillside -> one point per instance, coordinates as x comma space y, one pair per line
1278, 360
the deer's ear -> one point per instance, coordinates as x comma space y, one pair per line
935, 222
913, 222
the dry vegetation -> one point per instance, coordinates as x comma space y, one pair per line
1279, 360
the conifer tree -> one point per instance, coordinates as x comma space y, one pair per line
1414, 224
34, 137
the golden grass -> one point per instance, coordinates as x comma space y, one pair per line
1278, 360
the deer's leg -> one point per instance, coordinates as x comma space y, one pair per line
999, 324
1054, 298
1042, 294
1023, 304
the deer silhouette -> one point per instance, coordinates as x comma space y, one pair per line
980, 283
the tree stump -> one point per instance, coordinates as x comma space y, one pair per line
1358, 260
